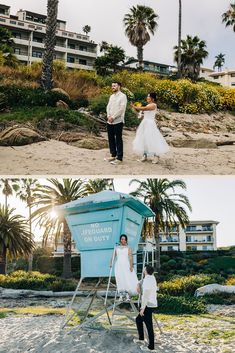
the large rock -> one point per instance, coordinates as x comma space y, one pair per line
60, 90
193, 143
92, 143
19, 135
213, 288
61, 104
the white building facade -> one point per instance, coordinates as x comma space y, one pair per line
197, 236
225, 78
29, 31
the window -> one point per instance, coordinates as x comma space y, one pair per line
233, 84
72, 46
2, 20
37, 54
13, 22
204, 248
17, 51
82, 48
170, 248
70, 59
16, 35
37, 39
194, 248
188, 238
21, 24
209, 238
233, 75
216, 77
82, 62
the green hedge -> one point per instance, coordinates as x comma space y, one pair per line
27, 96
187, 285
36, 281
168, 304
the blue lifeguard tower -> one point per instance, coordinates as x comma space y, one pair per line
96, 223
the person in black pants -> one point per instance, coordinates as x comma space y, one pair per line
115, 140
148, 306
116, 109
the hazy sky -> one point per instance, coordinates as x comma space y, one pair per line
200, 17
212, 198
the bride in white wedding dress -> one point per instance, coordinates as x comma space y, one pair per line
126, 278
149, 140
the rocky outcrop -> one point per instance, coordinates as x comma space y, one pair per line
19, 135
61, 91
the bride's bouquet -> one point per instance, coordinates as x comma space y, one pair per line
141, 113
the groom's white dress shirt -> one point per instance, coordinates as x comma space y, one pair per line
149, 292
116, 107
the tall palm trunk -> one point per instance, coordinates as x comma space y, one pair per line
67, 268
158, 248
140, 56
30, 259
3, 261
179, 39
46, 79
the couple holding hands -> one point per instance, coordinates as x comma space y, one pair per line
127, 284
148, 141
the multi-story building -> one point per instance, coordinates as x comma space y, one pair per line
150, 66
29, 31
197, 236
225, 78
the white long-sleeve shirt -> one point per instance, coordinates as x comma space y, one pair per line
149, 292
116, 107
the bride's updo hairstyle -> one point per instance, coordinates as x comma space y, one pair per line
123, 235
153, 96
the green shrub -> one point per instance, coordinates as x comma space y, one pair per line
220, 298
3, 101
98, 104
187, 285
168, 304
35, 281
26, 96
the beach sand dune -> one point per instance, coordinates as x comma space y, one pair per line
58, 158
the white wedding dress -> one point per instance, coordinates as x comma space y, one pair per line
148, 139
125, 279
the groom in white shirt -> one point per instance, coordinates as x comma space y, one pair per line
116, 109
148, 304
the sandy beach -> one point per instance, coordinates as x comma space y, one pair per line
59, 158
210, 333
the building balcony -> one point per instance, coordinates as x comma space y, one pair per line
199, 241
79, 66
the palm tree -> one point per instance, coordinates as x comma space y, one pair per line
46, 199
50, 40
26, 191
15, 238
139, 24
8, 186
219, 61
166, 203
193, 52
179, 38
229, 17
93, 186
86, 29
